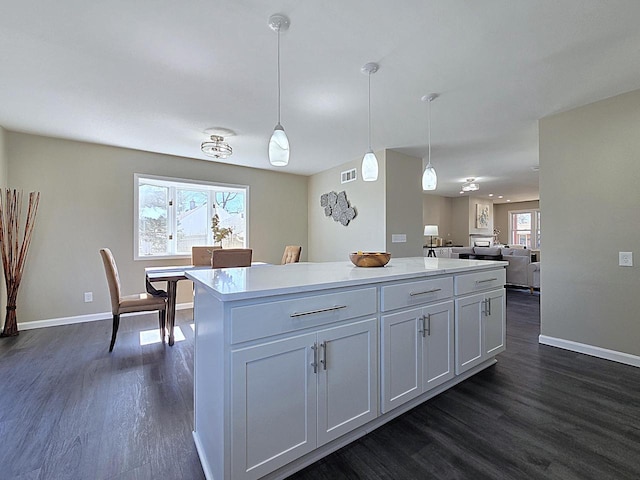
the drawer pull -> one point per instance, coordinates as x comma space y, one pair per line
313, 312
413, 294
486, 280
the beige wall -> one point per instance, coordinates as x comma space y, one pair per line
4, 167
87, 203
463, 222
501, 216
473, 204
460, 221
455, 217
589, 198
437, 210
330, 240
4, 161
404, 204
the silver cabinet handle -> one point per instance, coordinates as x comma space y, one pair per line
485, 312
314, 364
429, 324
323, 362
413, 294
486, 280
313, 312
421, 325
489, 303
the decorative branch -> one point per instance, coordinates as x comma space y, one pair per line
14, 248
219, 233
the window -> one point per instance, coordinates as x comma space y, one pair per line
172, 215
524, 228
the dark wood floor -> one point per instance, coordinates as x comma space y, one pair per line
69, 410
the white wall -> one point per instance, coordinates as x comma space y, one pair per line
590, 203
330, 240
87, 203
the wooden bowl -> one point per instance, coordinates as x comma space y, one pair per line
369, 259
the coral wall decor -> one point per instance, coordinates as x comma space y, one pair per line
337, 207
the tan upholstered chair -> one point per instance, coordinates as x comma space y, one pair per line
201, 256
291, 254
232, 257
142, 302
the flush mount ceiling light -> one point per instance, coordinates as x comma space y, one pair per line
217, 147
429, 177
470, 185
279, 143
369, 161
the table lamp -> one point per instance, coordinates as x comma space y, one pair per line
431, 231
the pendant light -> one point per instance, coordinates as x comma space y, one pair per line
429, 177
369, 161
279, 143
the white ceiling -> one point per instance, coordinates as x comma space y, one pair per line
154, 75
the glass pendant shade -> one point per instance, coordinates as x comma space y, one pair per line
369, 167
279, 147
429, 178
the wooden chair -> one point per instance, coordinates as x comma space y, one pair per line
201, 256
142, 302
232, 257
291, 254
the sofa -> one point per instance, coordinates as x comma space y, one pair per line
518, 270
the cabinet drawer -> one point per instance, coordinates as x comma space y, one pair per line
272, 318
479, 281
416, 293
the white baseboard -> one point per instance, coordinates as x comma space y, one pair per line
92, 317
592, 350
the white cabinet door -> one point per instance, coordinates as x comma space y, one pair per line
417, 351
495, 324
347, 378
273, 405
480, 328
438, 347
401, 358
468, 330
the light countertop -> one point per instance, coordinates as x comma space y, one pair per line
265, 280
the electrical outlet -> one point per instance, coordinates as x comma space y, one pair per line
88, 297
625, 259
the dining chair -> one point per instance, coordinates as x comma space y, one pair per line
201, 255
291, 254
232, 257
142, 302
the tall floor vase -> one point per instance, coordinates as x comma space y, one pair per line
14, 245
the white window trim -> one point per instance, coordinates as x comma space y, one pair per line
534, 223
187, 182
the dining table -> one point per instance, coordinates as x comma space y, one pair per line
172, 275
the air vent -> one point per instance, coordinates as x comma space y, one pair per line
348, 176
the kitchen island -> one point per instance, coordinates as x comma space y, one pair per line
295, 361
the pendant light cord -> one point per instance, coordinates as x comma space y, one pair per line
369, 111
429, 125
278, 75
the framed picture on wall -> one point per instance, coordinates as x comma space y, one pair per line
482, 215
